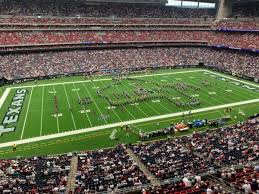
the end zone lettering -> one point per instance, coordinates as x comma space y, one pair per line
14, 110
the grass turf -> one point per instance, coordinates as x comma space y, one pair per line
36, 118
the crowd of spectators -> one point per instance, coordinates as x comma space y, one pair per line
75, 8
187, 164
246, 11
237, 25
239, 40
170, 160
34, 175
92, 20
15, 66
234, 39
18, 38
193, 185
234, 145
244, 178
107, 170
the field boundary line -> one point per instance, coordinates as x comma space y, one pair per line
4, 96
108, 79
119, 124
138, 76
229, 77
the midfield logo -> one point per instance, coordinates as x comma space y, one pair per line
14, 110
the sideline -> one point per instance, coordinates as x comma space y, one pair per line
4, 96
229, 77
75, 132
108, 79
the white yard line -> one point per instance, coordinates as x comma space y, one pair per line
235, 95
221, 75
28, 107
145, 103
109, 104
107, 79
119, 124
136, 106
4, 96
83, 105
69, 106
89, 93
125, 106
161, 103
41, 118
57, 112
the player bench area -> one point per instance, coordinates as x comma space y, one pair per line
63, 112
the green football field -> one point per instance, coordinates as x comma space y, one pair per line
72, 114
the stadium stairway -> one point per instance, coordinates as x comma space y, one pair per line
72, 175
153, 180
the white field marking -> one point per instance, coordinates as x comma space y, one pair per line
52, 92
41, 118
4, 96
69, 106
212, 93
109, 79
58, 113
136, 103
83, 111
119, 124
75, 89
25, 119
244, 82
89, 93
235, 95
160, 104
155, 101
133, 104
111, 107
176, 98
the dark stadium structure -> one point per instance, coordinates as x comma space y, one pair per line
45, 42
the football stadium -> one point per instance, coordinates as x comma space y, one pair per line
129, 96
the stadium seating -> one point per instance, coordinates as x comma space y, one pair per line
244, 178
235, 39
71, 8
228, 146
186, 161
237, 25
93, 20
246, 11
54, 63
169, 160
34, 175
106, 170
182, 165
